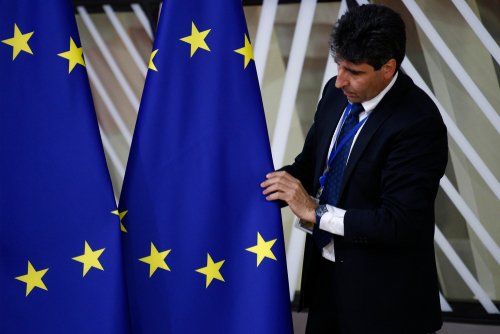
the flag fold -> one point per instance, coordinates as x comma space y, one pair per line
60, 253
204, 250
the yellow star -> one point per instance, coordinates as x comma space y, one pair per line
156, 260
19, 42
121, 215
196, 39
90, 258
152, 65
262, 249
211, 270
246, 51
33, 279
74, 55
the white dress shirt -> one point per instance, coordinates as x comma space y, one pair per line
332, 221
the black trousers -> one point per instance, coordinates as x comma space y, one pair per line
322, 317
322, 312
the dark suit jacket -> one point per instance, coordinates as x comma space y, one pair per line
385, 271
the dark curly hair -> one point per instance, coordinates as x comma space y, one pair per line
370, 34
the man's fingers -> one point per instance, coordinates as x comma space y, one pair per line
281, 175
282, 186
276, 174
281, 178
276, 185
278, 195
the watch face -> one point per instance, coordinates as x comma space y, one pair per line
320, 210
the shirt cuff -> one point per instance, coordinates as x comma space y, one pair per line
331, 219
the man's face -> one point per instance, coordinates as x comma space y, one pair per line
361, 82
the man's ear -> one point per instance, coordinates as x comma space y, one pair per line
389, 69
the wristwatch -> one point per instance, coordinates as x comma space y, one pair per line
320, 211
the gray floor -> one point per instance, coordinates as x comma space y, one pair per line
299, 325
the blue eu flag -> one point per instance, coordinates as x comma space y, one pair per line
204, 250
60, 252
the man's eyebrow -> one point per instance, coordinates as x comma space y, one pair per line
347, 68
353, 71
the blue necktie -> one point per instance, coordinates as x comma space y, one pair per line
331, 189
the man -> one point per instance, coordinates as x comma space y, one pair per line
369, 266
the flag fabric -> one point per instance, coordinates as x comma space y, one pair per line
60, 254
204, 251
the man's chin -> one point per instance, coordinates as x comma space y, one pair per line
352, 98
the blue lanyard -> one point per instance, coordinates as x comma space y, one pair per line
336, 149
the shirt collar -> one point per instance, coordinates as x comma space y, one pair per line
372, 104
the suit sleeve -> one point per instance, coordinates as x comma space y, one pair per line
409, 182
305, 163
303, 166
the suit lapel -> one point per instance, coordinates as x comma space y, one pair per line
375, 120
377, 117
331, 119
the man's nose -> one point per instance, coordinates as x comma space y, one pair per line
341, 81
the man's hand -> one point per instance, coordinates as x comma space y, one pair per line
283, 186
